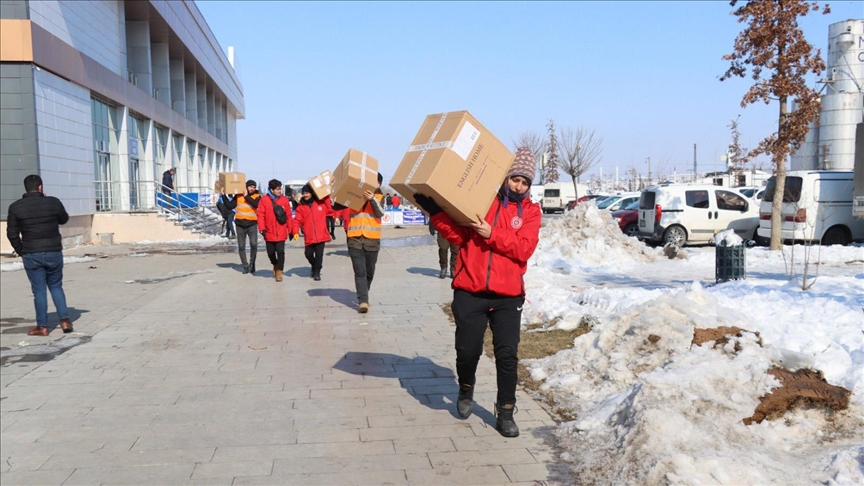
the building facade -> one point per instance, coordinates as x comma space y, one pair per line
100, 97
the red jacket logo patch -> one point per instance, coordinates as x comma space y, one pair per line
516, 222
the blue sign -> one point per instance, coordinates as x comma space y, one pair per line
413, 217
133, 147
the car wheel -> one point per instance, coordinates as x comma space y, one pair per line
631, 229
760, 240
835, 236
675, 235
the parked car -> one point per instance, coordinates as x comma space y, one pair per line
817, 207
749, 191
628, 219
589, 197
620, 201
691, 213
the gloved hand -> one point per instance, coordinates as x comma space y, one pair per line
428, 204
264, 233
296, 237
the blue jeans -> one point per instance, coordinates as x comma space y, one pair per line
46, 269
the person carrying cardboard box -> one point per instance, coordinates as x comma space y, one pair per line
245, 207
363, 230
488, 287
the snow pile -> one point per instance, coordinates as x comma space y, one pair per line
652, 409
15, 266
728, 238
587, 236
208, 240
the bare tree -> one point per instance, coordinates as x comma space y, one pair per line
536, 143
581, 150
773, 42
551, 174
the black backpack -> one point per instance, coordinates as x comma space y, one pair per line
279, 211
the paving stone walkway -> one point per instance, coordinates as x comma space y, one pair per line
197, 374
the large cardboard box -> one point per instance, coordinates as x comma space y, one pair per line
322, 184
458, 162
358, 172
233, 182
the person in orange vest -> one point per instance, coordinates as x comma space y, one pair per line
245, 207
311, 216
363, 229
274, 223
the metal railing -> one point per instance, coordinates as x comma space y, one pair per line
182, 207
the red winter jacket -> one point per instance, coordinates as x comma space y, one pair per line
495, 265
267, 224
312, 218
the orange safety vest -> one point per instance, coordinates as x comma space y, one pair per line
365, 223
244, 210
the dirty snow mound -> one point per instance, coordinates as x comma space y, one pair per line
589, 236
652, 408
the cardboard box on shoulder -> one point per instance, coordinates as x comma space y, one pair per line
357, 173
321, 184
456, 161
233, 182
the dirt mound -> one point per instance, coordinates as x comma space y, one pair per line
802, 387
719, 335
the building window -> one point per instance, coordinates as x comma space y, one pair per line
105, 149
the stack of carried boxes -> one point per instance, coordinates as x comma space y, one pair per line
453, 159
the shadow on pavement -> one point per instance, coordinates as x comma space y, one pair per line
234, 266
305, 271
425, 376
428, 272
337, 253
345, 297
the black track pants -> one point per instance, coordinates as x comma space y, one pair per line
503, 315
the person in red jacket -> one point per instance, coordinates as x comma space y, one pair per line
311, 217
488, 287
274, 224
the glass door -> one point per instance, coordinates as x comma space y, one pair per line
134, 165
103, 186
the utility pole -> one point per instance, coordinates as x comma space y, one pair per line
694, 162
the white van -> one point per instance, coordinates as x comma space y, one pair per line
556, 195
817, 207
691, 213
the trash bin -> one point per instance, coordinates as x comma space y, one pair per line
730, 262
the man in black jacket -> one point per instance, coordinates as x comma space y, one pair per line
36, 219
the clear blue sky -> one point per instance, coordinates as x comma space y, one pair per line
320, 78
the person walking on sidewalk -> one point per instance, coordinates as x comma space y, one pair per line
488, 287
33, 229
363, 230
227, 215
311, 216
445, 247
274, 223
245, 207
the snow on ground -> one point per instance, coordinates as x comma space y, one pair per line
652, 409
209, 240
15, 266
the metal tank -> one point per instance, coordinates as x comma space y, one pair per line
831, 145
842, 99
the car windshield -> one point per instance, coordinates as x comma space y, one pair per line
608, 202
632, 206
748, 192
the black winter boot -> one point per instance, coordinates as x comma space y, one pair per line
252, 263
465, 403
443, 273
505, 423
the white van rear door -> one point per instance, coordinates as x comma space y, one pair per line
646, 212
